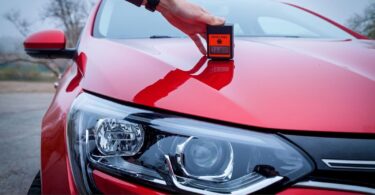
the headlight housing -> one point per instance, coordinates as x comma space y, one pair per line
175, 153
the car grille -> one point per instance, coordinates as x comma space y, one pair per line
340, 159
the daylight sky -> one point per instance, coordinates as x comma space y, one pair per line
338, 10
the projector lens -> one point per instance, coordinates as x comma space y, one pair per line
203, 157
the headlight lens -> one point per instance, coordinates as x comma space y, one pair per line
175, 153
118, 137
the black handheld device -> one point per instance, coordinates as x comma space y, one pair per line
220, 44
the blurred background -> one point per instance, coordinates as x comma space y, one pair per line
26, 84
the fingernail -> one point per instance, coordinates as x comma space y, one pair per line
220, 20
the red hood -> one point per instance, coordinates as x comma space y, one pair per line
292, 84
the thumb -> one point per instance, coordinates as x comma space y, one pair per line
211, 20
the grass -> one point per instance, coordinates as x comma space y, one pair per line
25, 73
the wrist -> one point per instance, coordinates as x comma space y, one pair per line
165, 5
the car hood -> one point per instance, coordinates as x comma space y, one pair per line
273, 83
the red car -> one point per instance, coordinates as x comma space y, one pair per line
140, 111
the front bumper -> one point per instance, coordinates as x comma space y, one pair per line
111, 185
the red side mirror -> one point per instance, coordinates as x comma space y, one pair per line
48, 44
51, 39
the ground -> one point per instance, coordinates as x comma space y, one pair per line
22, 105
25, 87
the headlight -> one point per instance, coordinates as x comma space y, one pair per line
174, 153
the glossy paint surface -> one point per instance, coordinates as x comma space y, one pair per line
50, 39
111, 185
56, 173
292, 84
55, 168
312, 191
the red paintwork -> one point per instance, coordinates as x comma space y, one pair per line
55, 169
302, 85
312, 191
217, 75
50, 39
110, 185
310, 85
56, 178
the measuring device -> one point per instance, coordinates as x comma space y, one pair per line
220, 44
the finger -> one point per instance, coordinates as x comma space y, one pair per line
198, 43
203, 35
211, 20
204, 10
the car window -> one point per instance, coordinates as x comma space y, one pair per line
272, 26
118, 19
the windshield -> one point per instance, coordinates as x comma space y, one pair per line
118, 19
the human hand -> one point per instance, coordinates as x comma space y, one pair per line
189, 18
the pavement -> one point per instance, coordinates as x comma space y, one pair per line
20, 123
26, 87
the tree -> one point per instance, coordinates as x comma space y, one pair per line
364, 23
69, 15
21, 24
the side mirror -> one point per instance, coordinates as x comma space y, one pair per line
48, 44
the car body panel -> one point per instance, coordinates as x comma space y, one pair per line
55, 168
314, 191
111, 185
56, 175
302, 85
51, 39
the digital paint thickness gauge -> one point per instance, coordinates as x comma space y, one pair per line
220, 44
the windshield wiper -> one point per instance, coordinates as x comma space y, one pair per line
161, 37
